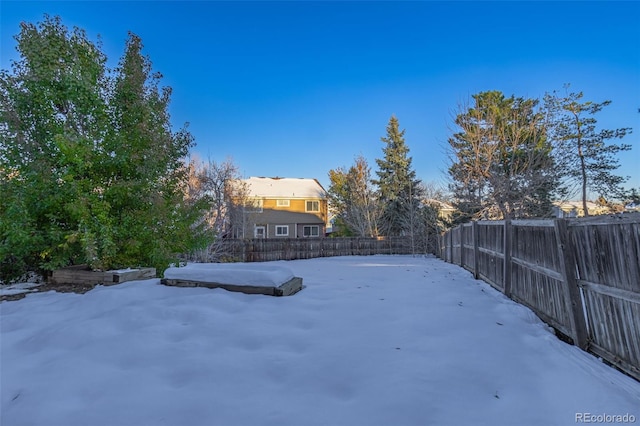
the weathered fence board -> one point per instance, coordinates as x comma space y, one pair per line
491, 253
582, 276
572, 294
467, 249
614, 260
614, 330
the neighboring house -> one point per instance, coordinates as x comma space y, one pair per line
632, 207
286, 208
568, 209
445, 210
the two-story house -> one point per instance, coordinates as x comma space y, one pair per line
569, 209
286, 208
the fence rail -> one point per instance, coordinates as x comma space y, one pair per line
581, 276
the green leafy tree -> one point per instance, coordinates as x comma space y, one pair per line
145, 167
53, 114
582, 151
398, 188
501, 160
90, 170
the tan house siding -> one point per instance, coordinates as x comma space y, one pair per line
297, 205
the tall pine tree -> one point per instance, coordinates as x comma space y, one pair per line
399, 190
585, 157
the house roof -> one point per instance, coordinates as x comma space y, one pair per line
441, 204
276, 187
576, 205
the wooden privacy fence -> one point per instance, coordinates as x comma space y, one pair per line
261, 250
581, 276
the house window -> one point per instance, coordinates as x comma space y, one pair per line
282, 230
259, 232
282, 203
313, 206
253, 206
311, 231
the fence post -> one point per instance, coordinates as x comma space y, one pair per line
573, 298
450, 244
476, 249
462, 245
506, 270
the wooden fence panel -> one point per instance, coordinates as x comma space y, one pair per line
582, 276
536, 273
456, 239
608, 266
467, 249
264, 250
614, 329
614, 258
491, 253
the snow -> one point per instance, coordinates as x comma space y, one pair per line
285, 187
258, 275
18, 288
121, 271
375, 340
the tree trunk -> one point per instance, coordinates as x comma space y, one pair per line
583, 168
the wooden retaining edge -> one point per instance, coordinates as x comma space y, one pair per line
81, 274
289, 288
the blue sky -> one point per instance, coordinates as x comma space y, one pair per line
295, 89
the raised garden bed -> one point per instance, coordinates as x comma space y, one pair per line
264, 279
83, 275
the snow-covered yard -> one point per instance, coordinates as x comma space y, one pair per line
376, 340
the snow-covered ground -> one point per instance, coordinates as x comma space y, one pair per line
376, 340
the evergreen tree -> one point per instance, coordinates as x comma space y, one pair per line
585, 158
502, 164
399, 191
632, 196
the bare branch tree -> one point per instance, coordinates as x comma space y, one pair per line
353, 199
421, 223
220, 183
